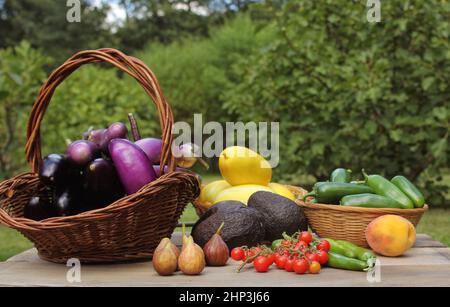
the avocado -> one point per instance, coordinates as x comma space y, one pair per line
242, 225
280, 214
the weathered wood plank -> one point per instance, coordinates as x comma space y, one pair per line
420, 266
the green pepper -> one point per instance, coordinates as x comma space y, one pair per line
276, 244
332, 192
367, 200
384, 187
341, 175
408, 188
359, 252
338, 248
338, 261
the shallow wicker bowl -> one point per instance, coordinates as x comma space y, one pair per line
349, 223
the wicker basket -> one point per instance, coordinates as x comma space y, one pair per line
128, 229
201, 208
349, 223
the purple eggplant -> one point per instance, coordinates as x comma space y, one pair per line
152, 148
132, 165
39, 208
102, 184
68, 200
97, 136
80, 153
53, 169
115, 131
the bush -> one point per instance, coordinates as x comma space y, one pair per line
354, 94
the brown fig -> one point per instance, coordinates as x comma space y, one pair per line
216, 250
192, 259
164, 258
165, 241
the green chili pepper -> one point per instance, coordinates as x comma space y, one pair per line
367, 200
359, 252
276, 243
338, 261
338, 248
341, 175
384, 187
332, 192
408, 188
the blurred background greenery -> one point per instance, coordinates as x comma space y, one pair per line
346, 92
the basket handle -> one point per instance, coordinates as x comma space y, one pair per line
130, 65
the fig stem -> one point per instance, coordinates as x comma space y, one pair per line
134, 127
220, 228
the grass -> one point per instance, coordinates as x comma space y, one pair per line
435, 223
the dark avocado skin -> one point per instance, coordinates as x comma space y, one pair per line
242, 225
279, 214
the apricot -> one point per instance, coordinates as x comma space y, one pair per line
390, 235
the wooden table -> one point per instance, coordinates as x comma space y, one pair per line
426, 264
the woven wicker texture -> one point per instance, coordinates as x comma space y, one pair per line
350, 223
128, 229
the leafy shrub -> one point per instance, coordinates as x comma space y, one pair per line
354, 94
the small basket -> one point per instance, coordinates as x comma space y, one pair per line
201, 208
350, 223
130, 228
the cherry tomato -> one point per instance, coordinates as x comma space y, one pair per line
237, 253
249, 254
301, 266
261, 264
314, 267
301, 245
324, 245
286, 243
312, 257
305, 236
280, 261
271, 258
322, 257
289, 265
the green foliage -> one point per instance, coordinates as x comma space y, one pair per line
354, 94
21, 75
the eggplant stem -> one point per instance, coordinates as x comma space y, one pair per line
134, 127
203, 163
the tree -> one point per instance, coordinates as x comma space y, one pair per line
43, 23
354, 94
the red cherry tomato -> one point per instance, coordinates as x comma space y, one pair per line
301, 245
324, 245
305, 236
322, 257
271, 258
286, 243
249, 254
314, 267
261, 264
280, 261
289, 265
312, 257
237, 253
301, 266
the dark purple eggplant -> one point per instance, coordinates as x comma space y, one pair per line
68, 200
102, 184
54, 169
80, 153
152, 148
132, 165
39, 208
